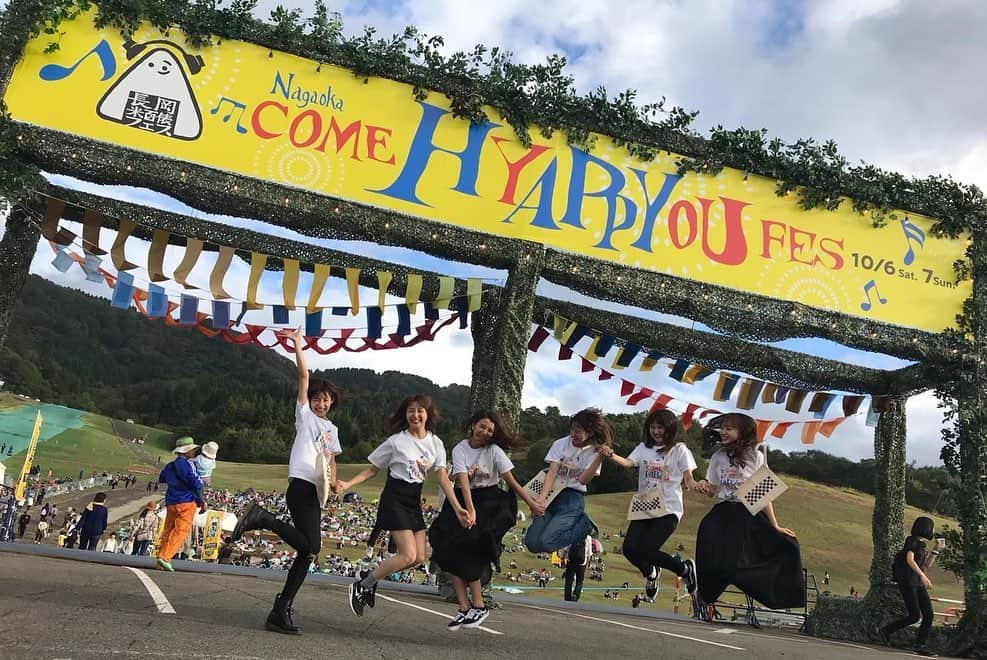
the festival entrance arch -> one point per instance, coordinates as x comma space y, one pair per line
736, 233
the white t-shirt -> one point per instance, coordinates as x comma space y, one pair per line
658, 467
484, 465
730, 477
311, 433
409, 458
572, 461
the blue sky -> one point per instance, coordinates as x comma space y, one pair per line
890, 81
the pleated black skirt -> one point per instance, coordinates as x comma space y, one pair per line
734, 547
469, 553
400, 506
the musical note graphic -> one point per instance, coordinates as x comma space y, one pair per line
234, 107
912, 233
55, 72
866, 305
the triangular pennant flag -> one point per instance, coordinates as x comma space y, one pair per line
353, 289
319, 278
280, 315
641, 395
724, 386
575, 334
827, 428
538, 337
768, 393
92, 222
474, 291
559, 326
626, 355
413, 294
157, 303
851, 404
404, 320
748, 393
123, 292
193, 249
626, 387
795, 399
374, 325
650, 360
604, 375
313, 324
155, 255
189, 311
679, 369
384, 278
690, 410
604, 345
761, 428
62, 261
820, 403
220, 314
780, 430
661, 402
809, 431
586, 365
117, 252
289, 282
565, 353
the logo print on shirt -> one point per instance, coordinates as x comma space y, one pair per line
418, 468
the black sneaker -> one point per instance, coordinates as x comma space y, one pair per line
356, 598
249, 520
651, 585
691, 577
369, 595
458, 621
924, 650
475, 617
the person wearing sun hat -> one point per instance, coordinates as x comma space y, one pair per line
205, 462
183, 496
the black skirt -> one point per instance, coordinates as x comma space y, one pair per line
400, 506
469, 553
734, 547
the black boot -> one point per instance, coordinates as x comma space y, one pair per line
254, 517
279, 620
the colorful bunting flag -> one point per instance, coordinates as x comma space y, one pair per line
795, 399
374, 323
538, 337
189, 311
404, 320
749, 390
289, 282
679, 369
220, 314
724, 386
313, 324
157, 301
123, 292
193, 249
117, 252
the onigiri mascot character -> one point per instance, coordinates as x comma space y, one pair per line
154, 95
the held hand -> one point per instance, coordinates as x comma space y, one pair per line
464, 517
339, 486
541, 504
537, 508
704, 487
605, 450
472, 516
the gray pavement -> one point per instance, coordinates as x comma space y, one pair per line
57, 603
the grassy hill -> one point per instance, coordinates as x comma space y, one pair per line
833, 525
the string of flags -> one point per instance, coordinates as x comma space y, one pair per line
568, 333
154, 303
92, 226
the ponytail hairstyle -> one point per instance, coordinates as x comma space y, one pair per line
592, 420
667, 420
503, 435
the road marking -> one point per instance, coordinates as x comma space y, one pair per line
441, 614
627, 625
160, 600
725, 631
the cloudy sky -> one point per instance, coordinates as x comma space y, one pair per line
894, 83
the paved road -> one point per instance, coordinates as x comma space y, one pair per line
53, 604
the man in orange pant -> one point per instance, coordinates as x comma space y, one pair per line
183, 497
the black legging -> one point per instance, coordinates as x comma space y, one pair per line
643, 541
918, 604
303, 534
575, 570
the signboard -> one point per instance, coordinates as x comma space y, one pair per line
241, 108
212, 535
28, 459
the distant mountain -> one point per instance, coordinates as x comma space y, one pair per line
68, 347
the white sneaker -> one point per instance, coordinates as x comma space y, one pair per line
475, 617
458, 620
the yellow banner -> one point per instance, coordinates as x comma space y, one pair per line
238, 107
212, 535
21, 486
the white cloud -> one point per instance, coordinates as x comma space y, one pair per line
895, 83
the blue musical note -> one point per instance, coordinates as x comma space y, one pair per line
912, 233
866, 305
234, 106
55, 72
